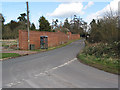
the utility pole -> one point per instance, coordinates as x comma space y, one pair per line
119, 14
28, 24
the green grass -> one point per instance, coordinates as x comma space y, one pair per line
107, 64
7, 55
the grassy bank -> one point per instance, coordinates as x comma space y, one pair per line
102, 56
8, 55
106, 64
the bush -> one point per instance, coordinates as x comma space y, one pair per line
102, 50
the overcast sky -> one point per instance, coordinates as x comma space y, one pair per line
57, 10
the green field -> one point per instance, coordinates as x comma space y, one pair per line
7, 55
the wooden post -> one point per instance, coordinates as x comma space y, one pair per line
28, 24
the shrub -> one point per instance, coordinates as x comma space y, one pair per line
103, 50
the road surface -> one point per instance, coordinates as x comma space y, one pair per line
58, 68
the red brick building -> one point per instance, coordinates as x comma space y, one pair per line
54, 38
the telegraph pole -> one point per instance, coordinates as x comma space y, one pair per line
119, 14
28, 24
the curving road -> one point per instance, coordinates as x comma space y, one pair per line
58, 68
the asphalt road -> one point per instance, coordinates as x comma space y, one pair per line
58, 68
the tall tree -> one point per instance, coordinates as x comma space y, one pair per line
66, 24
2, 19
11, 30
104, 29
1, 24
22, 17
54, 24
94, 34
76, 25
23, 21
13, 24
32, 27
93, 26
44, 24
56, 21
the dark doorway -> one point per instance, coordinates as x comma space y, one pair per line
44, 42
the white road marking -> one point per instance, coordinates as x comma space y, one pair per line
13, 84
42, 73
46, 72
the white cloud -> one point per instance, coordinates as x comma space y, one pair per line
112, 6
90, 3
66, 10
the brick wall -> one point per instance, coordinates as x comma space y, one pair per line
54, 38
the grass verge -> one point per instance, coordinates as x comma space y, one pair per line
107, 64
8, 55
